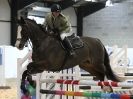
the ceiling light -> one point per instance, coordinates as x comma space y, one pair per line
91, 0
109, 3
43, 9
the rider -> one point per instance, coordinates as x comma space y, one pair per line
58, 23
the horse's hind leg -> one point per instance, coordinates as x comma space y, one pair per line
101, 74
98, 71
94, 70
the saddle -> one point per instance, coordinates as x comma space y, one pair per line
75, 41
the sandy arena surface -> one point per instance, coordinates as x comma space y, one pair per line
9, 93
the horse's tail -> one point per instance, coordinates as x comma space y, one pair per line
109, 72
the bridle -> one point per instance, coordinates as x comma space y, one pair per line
28, 41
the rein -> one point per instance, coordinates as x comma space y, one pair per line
28, 36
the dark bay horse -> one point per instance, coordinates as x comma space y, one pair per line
49, 55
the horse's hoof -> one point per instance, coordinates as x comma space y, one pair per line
107, 89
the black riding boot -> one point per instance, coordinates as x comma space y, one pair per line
68, 46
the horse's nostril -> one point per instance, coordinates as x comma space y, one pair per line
20, 46
26, 45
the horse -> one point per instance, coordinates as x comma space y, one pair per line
49, 55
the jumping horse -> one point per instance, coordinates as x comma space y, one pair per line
48, 54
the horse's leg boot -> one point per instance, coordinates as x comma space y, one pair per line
69, 46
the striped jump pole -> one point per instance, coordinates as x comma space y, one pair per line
90, 83
128, 74
88, 94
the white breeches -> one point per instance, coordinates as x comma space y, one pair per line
63, 35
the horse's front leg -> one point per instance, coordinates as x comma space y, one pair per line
26, 76
34, 68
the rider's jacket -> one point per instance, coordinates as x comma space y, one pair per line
60, 23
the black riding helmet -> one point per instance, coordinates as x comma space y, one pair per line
55, 8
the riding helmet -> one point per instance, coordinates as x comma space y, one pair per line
55, 8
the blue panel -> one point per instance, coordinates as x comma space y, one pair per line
0, 59
0, 50
0, 56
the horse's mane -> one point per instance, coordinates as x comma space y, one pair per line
31, 20
35, 23
38, 30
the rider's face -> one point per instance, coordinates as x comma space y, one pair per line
55, 14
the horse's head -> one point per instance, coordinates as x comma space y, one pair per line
28, 29
22, 34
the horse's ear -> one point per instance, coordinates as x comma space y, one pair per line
22, 20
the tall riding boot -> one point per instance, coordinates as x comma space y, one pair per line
69, 46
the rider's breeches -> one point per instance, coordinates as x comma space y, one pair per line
63, 35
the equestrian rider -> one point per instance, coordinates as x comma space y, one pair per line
58, 23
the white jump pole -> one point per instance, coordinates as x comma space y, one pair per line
38, 86
20, 70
